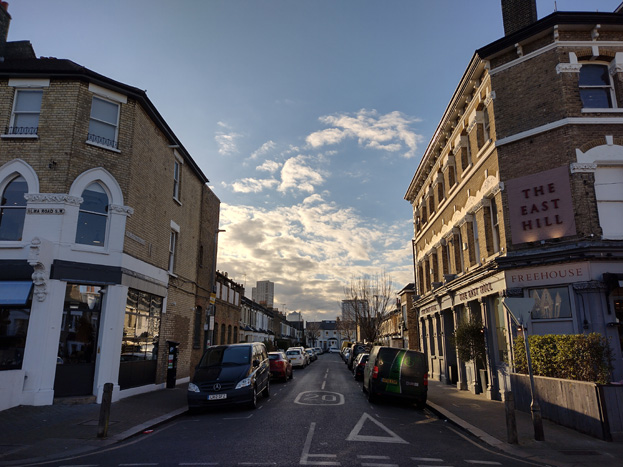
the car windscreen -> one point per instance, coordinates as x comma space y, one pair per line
220, 356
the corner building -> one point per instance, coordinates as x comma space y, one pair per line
100, 234
520, 193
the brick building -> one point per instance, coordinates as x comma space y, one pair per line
228, 306
105, 220
519, 193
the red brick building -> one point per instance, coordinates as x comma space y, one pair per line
519, 192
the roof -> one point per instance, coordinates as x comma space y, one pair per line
54, 68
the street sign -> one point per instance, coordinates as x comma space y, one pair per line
519, 308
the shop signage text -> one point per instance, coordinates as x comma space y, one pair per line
476, 292
558, 274
45, 211
540, 206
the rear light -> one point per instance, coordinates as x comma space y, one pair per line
375, 373
425, 379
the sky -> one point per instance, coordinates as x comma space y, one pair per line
309, 117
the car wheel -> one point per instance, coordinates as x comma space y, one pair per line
266, 391
371, 397
291, 374
285, 377
253, 401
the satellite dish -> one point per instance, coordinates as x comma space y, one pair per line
519, 308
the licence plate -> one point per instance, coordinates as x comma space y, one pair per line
214, 397
412, 383
389, 381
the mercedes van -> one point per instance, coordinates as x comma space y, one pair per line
230, 374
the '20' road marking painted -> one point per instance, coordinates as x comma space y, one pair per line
319, 398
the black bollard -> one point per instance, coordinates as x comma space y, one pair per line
511, 423
102, 428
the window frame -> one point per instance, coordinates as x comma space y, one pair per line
15, 113
96, 140
106, 215
177, 173
4, 186
610, 87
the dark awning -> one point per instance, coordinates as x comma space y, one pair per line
14, 292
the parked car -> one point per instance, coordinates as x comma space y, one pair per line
396, 373
230, 374
359, 365
334, 350
355, 350
280, 365
346, 355
312, 355
318, 350
298, 357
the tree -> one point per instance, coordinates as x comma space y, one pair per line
312, 332
367, 303
346, 329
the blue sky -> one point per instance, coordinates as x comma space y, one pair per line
308, 117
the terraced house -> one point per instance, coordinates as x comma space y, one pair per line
107, 231
520, 193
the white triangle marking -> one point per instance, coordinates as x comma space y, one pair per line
355, 436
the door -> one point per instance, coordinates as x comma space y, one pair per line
77, 347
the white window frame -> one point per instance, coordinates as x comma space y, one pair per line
609, 87
11, 130
173, 243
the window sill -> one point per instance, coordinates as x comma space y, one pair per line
11, 136
7, 244
177, 201
89, 249
602, 111
102, 146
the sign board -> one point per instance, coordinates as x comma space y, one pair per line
519, 308
212, 298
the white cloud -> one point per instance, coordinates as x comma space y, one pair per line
226, 140
310, 250
263, 149
269, 166
390, 132
252, 185
297, 175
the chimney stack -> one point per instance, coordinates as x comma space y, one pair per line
518, 14
5, 20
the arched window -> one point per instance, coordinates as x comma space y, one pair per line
229, 334
215, 336
93, 216
223, 334
235, 334
13, 209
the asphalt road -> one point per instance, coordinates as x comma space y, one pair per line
321, 418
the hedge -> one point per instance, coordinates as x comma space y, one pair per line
580, 357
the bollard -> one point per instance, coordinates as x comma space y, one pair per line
102, 427
511, 423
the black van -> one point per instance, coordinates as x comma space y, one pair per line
397, 373
230, 374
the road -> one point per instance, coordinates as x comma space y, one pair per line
320, 418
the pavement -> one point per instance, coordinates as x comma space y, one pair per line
38, 435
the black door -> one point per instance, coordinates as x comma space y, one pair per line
77, 347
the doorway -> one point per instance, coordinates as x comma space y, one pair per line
77, 347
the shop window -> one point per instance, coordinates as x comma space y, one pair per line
15, 299
141, 329
104, 123
596, 88
13, 209
551, 303
93, 216
26, 109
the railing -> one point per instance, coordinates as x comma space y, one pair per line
21, 130
111, 143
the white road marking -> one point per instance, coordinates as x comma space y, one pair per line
355, 436
319, 398
482, 462
373, 457
323, 384
366, 464
198, 463
427, 459
305, 455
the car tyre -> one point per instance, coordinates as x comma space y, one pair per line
266, 391
371, 397
291, 374
253, 401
